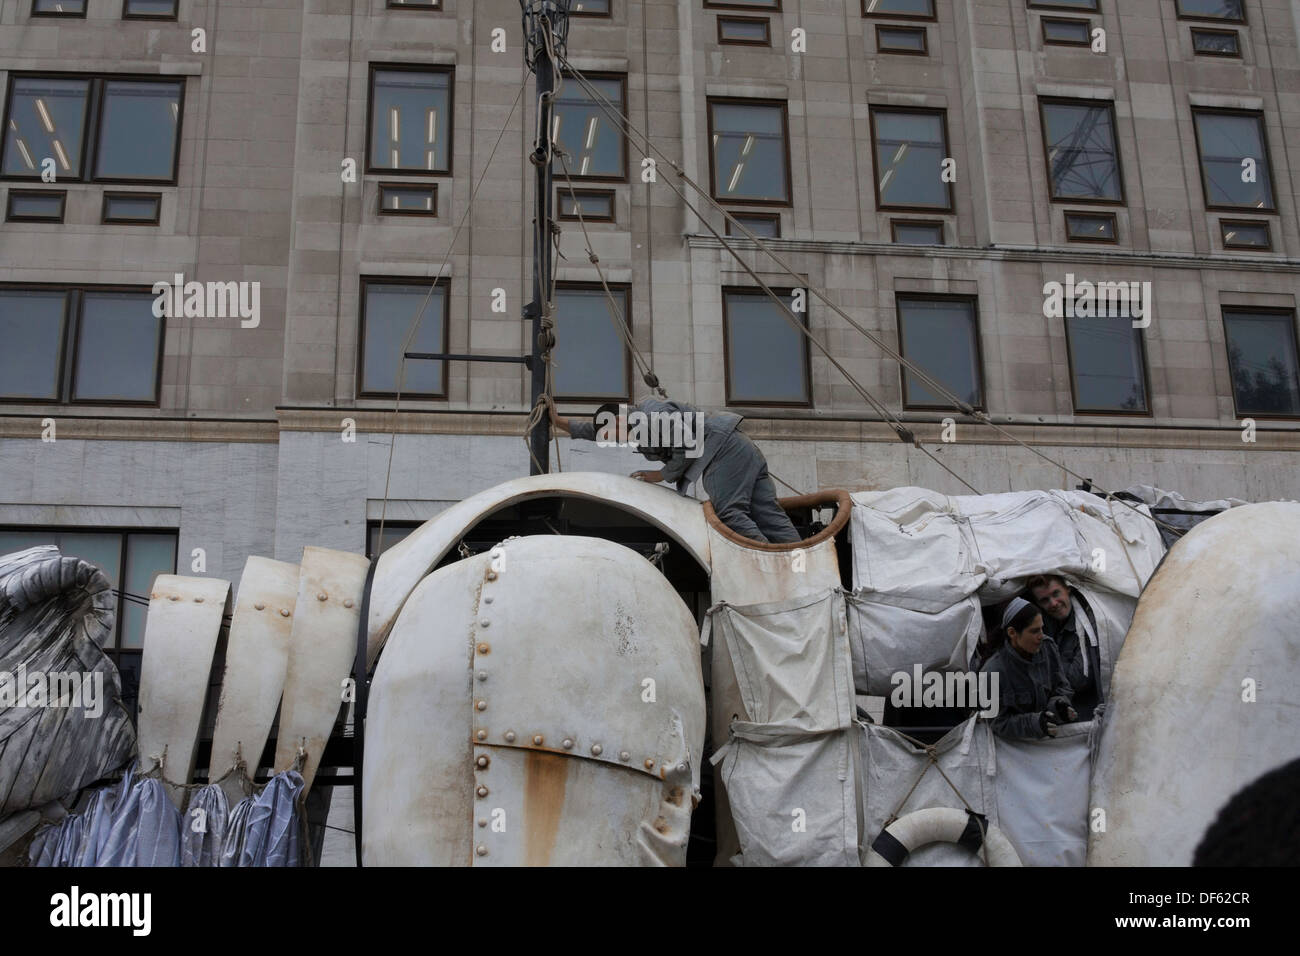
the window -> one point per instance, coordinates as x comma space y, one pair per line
415, 4
749, 154
592, 362
1262, 359
1091, 227
904, 9
915, 232
1227, 140
751, 31
150, 9
394, 531
1216, 42
587, 205
764, 225
1082, 158
911, 146
901, 40
766, 358
1065, 4
58, 8
134, 208
1231, 10
91, 344
404, 199
582, 126
745, 4
941, 335
1107, 364
134, 136
30, 205
388, 309
1062, 32
590, 8
410, 120
132, 561
1245, 234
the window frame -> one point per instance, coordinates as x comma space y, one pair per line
1210, 31
607, 15
562, 192
1224, 224
20, 192
1043, 102
1268, 157
419, 213
775, 6
172, 17
772, 217
450, 72
1114, 225
783, 291
435, 7
574, 175
93, 124
70, 343
1146, 374
626, 289
767, 31
939, 224
923, 31
1178, 13
1064, 5
872, 110
931, 17
1224, 310
377, 280
710, 102
55, 15
1043, 21
113, 194
974, 302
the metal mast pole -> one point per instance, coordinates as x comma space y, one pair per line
546, 27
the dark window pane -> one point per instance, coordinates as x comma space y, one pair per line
137, 136
46, 119
591, 205
582, 125
766, 356
1226, 140
1090, 227
31, 328
742, 31
590, 353
910, 150
1081, 155
1218, 42
765, 227
902, 8
44, 205
591, 8
67, 8
1066, 4
1077, 32
126, 208
762, 4
431, 4
394, 531
940, 336
117, 354
918, 233
1212, 9
389, 312
1245, 235
151, 8
1106, 356
749, 152
903, 39
1262, 356
147, 556
410, 119
413, 199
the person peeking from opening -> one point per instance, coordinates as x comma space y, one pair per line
1034, 693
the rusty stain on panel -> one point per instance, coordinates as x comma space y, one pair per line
544, 784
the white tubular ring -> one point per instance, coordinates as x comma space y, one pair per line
941, 825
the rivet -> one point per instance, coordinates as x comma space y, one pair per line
487, 599
482, 821
198, 600
624, 755
491, 575
347, 602
481, 850
481, 735
483, 761
481, 675
597, 750
482, 791
484, 622
481, 704
649, 763
322, 596
566, 743
537, 740
175, 597
260, 607
483, 648
284, 612
510, 736
684, 767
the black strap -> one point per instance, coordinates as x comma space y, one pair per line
972, 838
361, 678
888, 846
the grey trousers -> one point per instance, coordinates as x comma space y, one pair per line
743, 495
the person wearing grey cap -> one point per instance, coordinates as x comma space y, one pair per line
1034, 693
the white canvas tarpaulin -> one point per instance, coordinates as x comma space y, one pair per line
789, 772
1041, 788
887, 635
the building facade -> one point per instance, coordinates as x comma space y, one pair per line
932, 166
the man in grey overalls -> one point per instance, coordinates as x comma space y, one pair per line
730, 466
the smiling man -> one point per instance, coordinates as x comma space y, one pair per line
1070, 623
